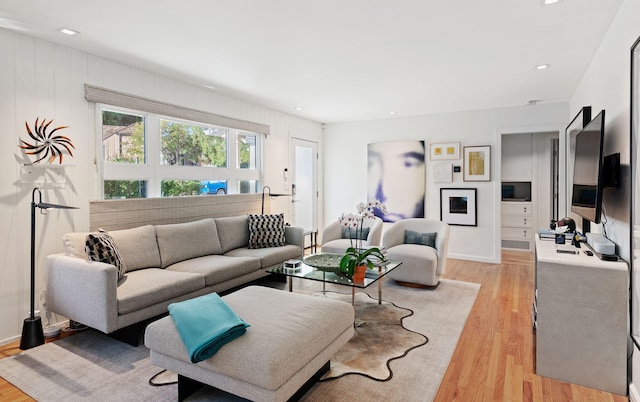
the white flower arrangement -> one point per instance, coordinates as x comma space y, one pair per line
357, 255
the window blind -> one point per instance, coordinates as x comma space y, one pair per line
115, 98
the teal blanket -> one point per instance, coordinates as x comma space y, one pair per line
206, 324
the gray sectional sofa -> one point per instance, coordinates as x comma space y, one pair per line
164, 264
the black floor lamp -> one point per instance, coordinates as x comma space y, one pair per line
32, 334
271, 195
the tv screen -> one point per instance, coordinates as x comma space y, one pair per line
586, 200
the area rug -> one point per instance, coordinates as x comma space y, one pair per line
92, 366
379, 339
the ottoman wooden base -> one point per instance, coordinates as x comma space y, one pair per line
291, 339
187, 386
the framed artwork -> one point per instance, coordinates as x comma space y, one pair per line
445, 150
458, 206
477, 163
397, 174
443, 172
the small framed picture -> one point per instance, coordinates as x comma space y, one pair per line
445, 150
458, 206
477, 163
443, 172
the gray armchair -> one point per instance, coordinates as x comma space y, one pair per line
422, 265
333, 241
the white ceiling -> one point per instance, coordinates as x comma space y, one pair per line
340, 60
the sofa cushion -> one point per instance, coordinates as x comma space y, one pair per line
217, 268
74, 244
146, 287
233, 232
181, 241
138, 247
266, 231
101, 247
267, 256
424, 239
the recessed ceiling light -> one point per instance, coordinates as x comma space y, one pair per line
299, 108
67, 31
393, 113
548, 2
542, 66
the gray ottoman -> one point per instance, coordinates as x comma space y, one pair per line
290, 342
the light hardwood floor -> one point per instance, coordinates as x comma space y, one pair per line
494, 358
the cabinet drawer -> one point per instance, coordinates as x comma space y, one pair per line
517, 233
516, 208
516, 221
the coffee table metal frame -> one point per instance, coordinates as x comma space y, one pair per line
333, 275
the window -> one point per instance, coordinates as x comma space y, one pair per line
122, 137
246, 150
148, 155
192, 145
114, 189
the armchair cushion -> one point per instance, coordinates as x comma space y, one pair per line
353, 233
424, 239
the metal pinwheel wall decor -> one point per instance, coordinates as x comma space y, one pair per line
46, 145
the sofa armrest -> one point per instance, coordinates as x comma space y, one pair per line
82, 290
294, 236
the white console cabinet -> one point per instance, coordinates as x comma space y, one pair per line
580, 312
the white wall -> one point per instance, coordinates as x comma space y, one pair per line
38, 78
606, 85
345, 166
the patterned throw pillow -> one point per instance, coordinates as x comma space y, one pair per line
425, 239
355, 234
266, 231
101, 247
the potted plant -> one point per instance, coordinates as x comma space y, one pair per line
357, 259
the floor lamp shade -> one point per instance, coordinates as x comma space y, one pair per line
32, 334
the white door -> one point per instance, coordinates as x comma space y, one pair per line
305, 178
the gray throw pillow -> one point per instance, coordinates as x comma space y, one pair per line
425, 239
101, 247
355, 234
266, 231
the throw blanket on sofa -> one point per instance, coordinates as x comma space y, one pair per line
205, 324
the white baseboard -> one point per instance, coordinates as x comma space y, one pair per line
473, 258
634, 396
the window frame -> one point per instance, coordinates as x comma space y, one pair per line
153, 172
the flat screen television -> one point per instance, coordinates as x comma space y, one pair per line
588, 185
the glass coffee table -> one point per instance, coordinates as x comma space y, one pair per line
325, 268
